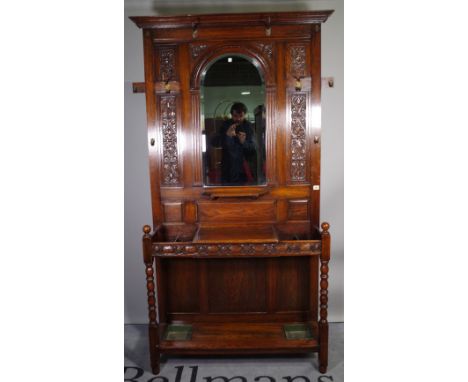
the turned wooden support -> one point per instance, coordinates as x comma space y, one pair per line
323, 323
153, 328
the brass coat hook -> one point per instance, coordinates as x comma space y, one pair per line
194, 30
298, 84
330, 81
268, 26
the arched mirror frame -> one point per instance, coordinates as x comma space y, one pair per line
260, 142
263, 60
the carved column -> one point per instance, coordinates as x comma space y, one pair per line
153, 328
323, 323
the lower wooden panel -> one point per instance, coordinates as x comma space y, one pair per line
252, 289
236, 285
238, 317
182, 285
233, 337
292, 284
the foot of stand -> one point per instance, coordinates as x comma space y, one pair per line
155, 363
155, 354
323, 369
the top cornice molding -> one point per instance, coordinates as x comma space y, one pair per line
223, 19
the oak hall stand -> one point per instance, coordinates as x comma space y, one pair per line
235, 270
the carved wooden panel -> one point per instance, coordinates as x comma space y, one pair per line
298, 210
170, 160
298, 142
298, 61
167, 64
289, 248
267, 49
173, 212
235, 211
197, 49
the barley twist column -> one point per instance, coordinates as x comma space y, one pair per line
323, 323
153, 328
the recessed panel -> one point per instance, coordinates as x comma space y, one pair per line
173, 212
292, 287
237, 285
298, 210
182, 286
237, 212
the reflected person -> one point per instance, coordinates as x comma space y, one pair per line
239, 147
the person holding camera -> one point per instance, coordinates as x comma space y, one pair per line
238, 143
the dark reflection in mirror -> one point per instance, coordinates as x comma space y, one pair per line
233, 123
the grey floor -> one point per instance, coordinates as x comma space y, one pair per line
246, 369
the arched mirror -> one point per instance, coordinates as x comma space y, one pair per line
233, 123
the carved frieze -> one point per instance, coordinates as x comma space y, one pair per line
169, 136
298, 136
237, 250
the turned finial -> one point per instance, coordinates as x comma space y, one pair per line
146, 229
325, 226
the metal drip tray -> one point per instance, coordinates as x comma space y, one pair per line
178, 333
297, 331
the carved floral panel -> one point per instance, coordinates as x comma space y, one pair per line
298, 61
298, 137
170, 163
167, 64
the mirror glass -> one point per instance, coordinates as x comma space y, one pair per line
233, 123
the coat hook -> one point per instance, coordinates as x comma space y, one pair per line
298, 84
330, 81
167, 87
268, 27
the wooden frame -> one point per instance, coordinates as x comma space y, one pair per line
235, 270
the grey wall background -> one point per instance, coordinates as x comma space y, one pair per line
137, 189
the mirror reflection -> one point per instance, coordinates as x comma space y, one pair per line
233, 123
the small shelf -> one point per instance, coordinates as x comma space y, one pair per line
235, 193
234, 337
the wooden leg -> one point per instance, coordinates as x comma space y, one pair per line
155, 355
323, 323
323, 352
153, 328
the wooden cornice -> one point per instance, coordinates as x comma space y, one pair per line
223, 19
